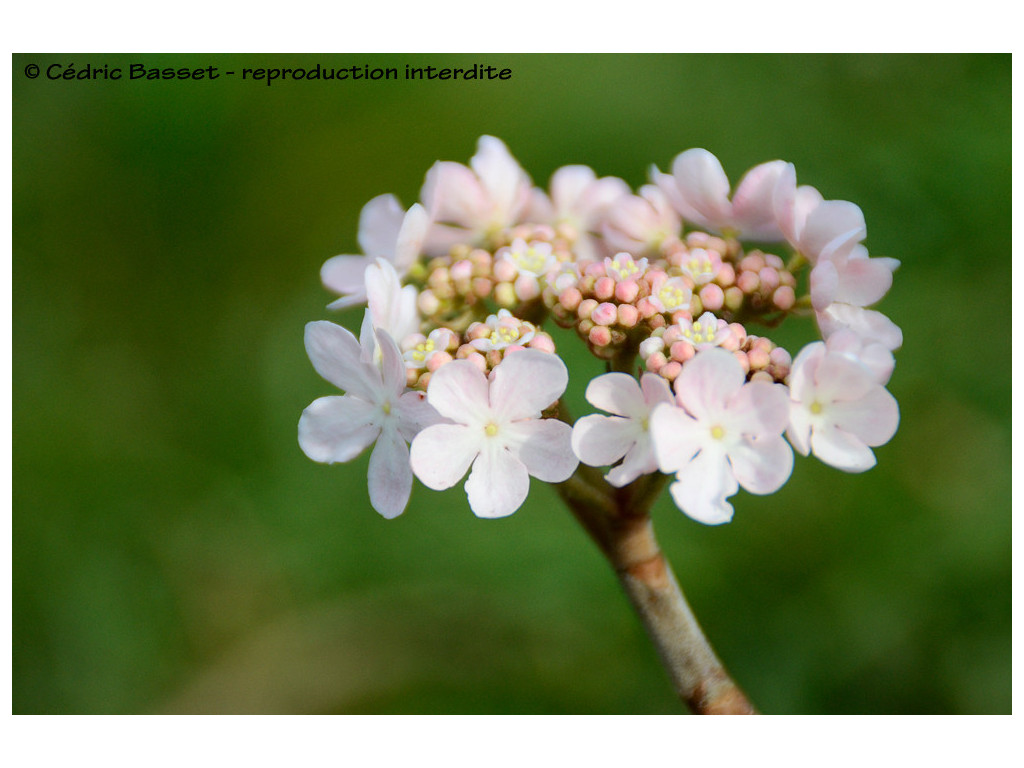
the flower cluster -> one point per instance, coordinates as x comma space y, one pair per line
454, 375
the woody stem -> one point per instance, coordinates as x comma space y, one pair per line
619, 522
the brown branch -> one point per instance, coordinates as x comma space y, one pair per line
619, 522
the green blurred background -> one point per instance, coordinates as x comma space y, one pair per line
174, 550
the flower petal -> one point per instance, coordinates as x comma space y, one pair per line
752, 210
379, 222
869, 324
544, 446
762, 465
345, 275
389, 474
458, 390
415, 414
840, 449
702, 487
602, 440
674, 434
639, 460
441, 454
708, 382
337, 428
498, 483
759, 408
337, 356
829, 220
504, 180
703, 188
411, 236
873, 418
618, 393
524, 384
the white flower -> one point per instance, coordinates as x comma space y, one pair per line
469, 204
723, 434
374, 409
837, 409
641, 222
533, 259
391, 307
811, 224
579, 200
505, 330
601, 440
699, 190
706, 331
497, 429
623, 267
385, 231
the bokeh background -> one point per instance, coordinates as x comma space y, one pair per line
174, 551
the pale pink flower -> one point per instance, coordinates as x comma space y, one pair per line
724, 433
698, 189
874, 356
534, 259
579, 200
503, 330
467, 205
837, 409
811, 224
497, 430
869, 324
623, 267
602, 440
849, 276
669, 294
375, 409
422, 350
704, 332
385, 231
641, 222
391, 306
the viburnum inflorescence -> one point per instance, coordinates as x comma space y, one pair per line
677, 287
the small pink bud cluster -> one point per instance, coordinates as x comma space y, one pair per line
619, 299
455, 282
764, 283
667, 350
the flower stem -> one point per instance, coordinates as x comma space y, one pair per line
619, 522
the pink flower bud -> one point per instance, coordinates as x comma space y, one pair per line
656, 362
604, 314
570, 298
427, 302
438, 359
752, 262
726, 275
604, 288
586, 308
543, 342
462, 270
733, 297
671, 370
600, 336
628, 315
681, 351
769, 278
758, 357
712, 298
505, 271
627, 292
784, 298
748, 282
527, 287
